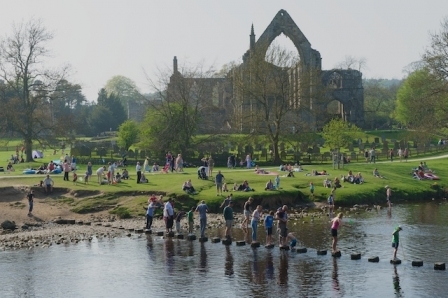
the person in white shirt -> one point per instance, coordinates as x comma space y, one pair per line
100, 174
48, 184
168, 215
138, 169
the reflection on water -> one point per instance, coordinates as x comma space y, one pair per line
396, 282
123, 267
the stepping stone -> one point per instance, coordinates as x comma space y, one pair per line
203, 239
138, 231
171, 234
87, 223
148, 231
255, 244
226, 242
71, 221
131, 229
417, 263
301, 250
216, 240
336, 254
269, 246
374, 259
240, 243
395, 262
284, 247
355, 256
321, 252
160, 233
107, 225
80, 222
191, 237
180, 236
439, 266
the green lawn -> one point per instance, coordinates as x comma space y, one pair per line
133, 196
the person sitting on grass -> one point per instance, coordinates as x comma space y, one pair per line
155, 167
337, 182
290, 174
118, 177
298, 167
260, 171
376, 174
327, 183
245, 186
125, 174
358, 179
224, 188
188, 187
143, 179
9, 168
48, 184
269, 185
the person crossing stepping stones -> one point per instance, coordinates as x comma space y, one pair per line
396, 241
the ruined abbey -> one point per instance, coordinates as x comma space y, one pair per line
331, 93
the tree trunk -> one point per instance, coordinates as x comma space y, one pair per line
277, 159
28, 148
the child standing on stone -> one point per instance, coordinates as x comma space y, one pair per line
396, 241
190, 216
268, 223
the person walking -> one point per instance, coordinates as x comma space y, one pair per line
256, 216
89, 171
228, 217
30, 197
246, 214
202, 209
67, 168
372, 155
282, 217
150, 215
391, 155
405, 154
138, 169
396, 241
219, 179
168, 215
400, 154
388, 195
335, 224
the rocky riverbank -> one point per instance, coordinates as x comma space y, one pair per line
62, 231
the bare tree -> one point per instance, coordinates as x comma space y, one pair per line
27, 84
273, 95
351, 62
182, 101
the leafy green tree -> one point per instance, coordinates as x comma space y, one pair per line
338, 133
113, 104
125, 90
165, 128
379, 101
100, 119
128, 133
422, 105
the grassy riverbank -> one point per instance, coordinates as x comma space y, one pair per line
128, 198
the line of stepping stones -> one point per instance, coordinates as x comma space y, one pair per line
255, 244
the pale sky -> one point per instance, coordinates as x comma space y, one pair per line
100, 39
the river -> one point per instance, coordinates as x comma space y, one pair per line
150, 266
